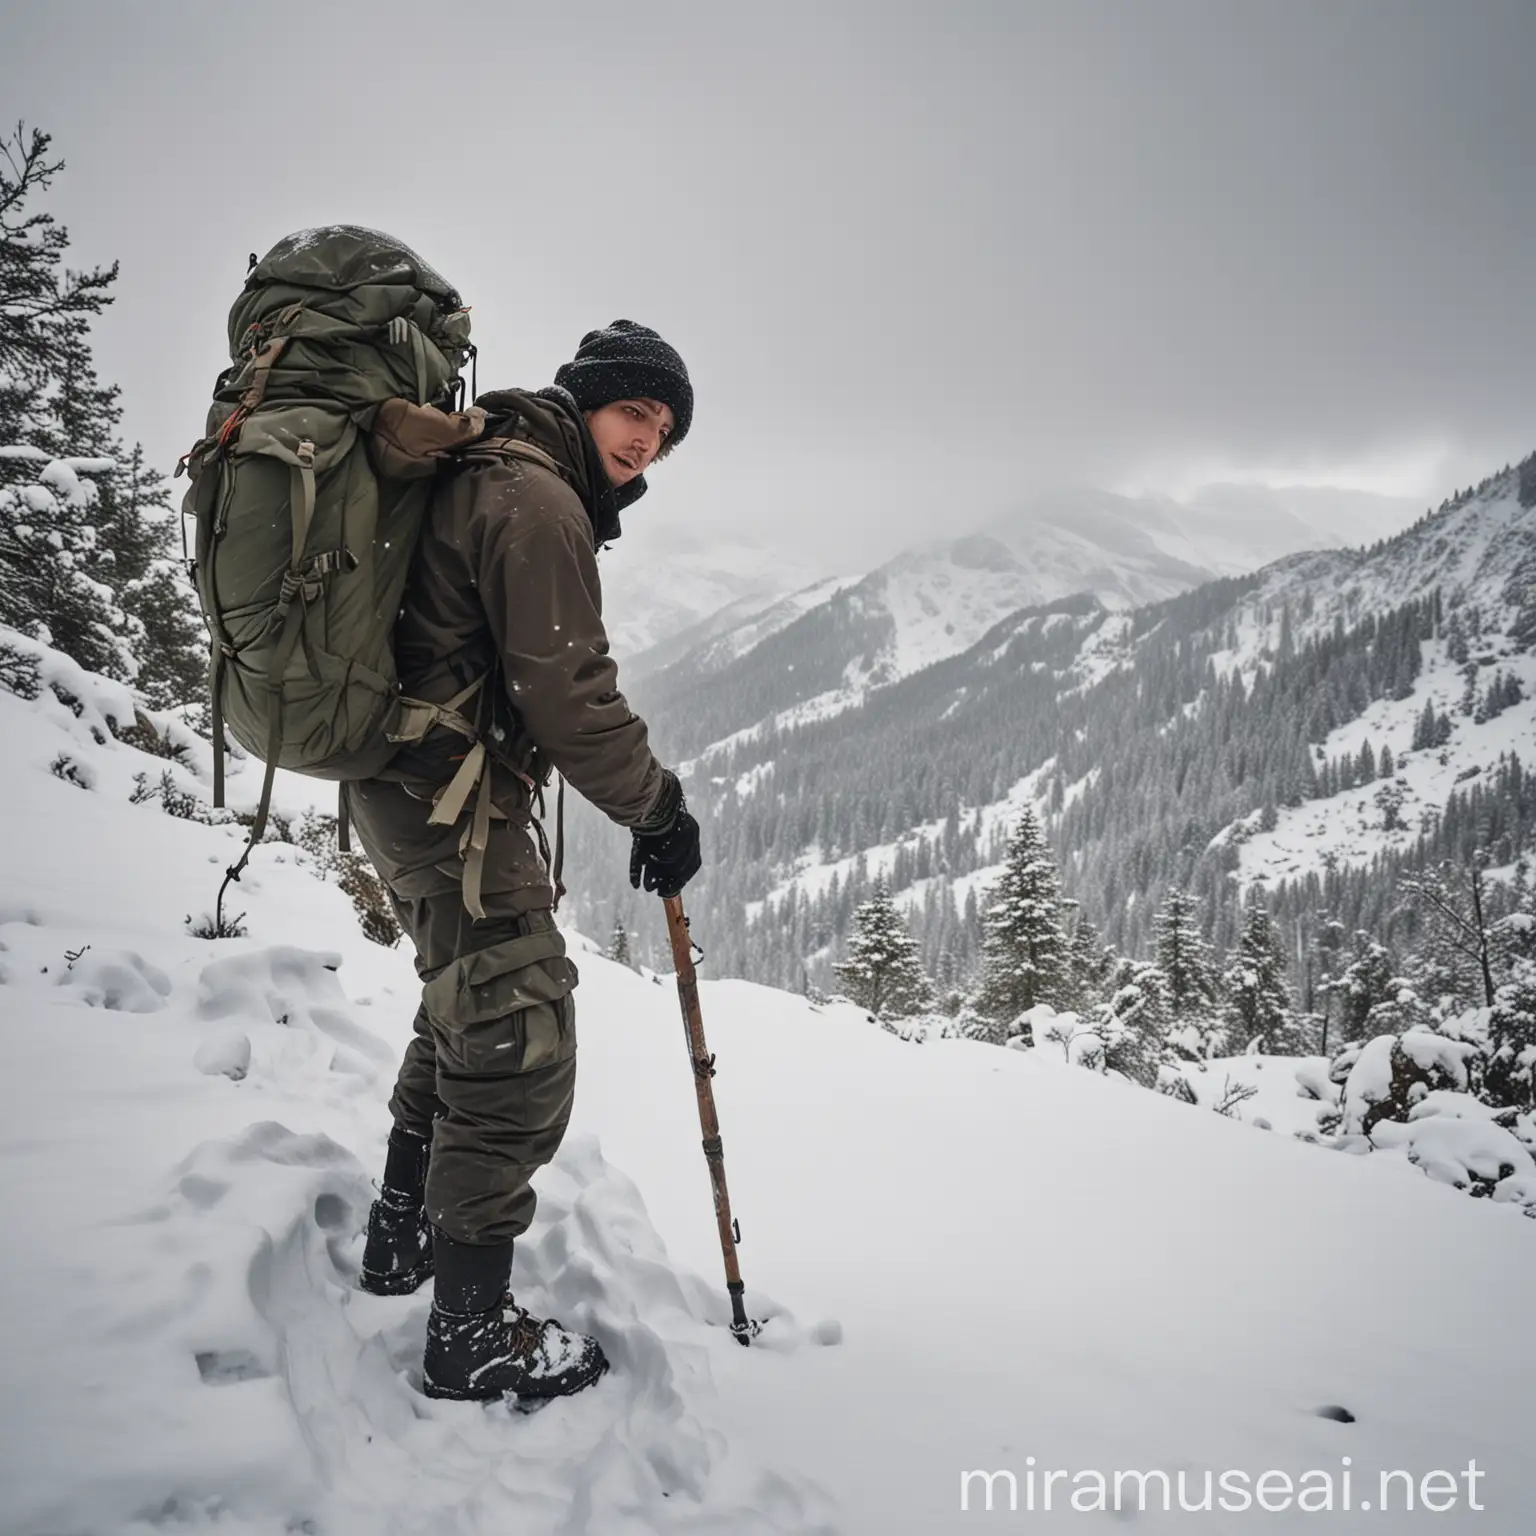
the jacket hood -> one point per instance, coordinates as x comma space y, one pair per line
550, 419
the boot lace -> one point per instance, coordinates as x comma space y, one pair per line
527, 1331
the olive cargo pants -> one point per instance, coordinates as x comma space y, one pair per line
490, 1072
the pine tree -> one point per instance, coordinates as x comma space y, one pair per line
1456, 640
93, 563
1362, 987
1258, 1012
1184, 959
137, 540
1426, 728
1024, 952
1329, 952
1458, 942
1510, 1077
44, 308
1087, 967
881, 970
51, 570
618, 944
1527, 481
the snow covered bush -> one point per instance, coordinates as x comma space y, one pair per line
1392, 1073
1133, 1023
1172, 1082
1455, 1142
968, 1024
1068, 1037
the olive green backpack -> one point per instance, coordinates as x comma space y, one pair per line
308, 492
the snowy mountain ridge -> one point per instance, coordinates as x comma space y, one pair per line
798, 773
939, 598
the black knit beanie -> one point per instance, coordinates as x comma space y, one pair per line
629, 362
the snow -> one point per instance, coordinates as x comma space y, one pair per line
1282, 1093
1462, 1152
965, 1256
1348, 828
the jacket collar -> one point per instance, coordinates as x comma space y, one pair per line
550, 419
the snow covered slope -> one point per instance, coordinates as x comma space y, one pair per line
1470, 552
968, 1258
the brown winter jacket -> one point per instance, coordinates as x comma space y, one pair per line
505, 584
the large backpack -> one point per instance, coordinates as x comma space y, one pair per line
308, 492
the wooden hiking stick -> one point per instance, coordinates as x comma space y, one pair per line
704, 1069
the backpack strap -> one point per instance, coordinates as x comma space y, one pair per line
512, 448
474, 776
417, 716
559, 863
217, 685
289, 615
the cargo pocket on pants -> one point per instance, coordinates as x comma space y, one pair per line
507, 1008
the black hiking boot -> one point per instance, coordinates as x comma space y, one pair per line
397, 1257
481, 1346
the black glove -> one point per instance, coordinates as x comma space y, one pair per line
665, 853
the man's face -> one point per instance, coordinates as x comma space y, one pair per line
629, 434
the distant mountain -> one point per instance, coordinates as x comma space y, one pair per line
699, 598
1211, 738
730, 632
939, 598
659, 582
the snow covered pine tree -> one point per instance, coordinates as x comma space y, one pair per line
1184, 958
1258, 1010
86, 564
1024, 952
881, 970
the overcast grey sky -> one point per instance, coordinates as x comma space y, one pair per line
920, 259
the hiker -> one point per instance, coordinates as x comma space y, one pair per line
502, 620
